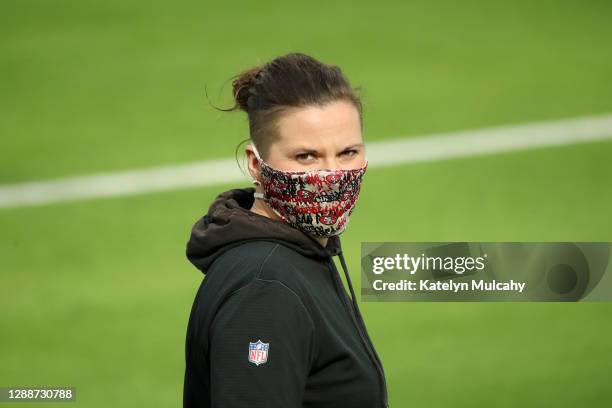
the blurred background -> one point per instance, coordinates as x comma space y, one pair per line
95, 293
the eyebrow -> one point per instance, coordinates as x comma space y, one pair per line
308, 150
354, 145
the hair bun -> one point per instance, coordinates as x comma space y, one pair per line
244, 86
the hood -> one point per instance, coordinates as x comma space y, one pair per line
229, 222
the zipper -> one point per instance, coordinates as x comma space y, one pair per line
359, 323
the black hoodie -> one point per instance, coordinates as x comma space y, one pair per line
271, 324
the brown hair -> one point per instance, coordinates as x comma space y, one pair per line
289, 81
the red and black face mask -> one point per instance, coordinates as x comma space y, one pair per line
317, 202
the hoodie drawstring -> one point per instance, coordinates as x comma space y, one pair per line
358, 316
348, 280
350, 285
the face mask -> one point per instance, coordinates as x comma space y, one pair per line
317, 202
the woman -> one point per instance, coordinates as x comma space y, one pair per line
272, 325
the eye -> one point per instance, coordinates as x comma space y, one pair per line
304, 156
350, 152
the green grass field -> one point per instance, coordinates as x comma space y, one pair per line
96, 294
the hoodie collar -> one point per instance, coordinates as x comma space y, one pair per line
229, 222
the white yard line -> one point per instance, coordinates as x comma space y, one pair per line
380, 154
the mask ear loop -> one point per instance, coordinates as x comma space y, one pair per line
257, 154
256, 182
256, 194
261, 196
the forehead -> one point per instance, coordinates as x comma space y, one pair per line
319, 126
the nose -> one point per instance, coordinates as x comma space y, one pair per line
330, 163
334, 162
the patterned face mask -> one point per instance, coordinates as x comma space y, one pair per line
317, 202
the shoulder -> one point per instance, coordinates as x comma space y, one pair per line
265, 263
267, 278
263, 259
244, 259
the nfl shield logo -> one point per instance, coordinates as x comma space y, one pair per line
258, 352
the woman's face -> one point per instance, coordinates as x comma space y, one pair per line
313, 138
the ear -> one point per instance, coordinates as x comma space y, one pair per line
253, 162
